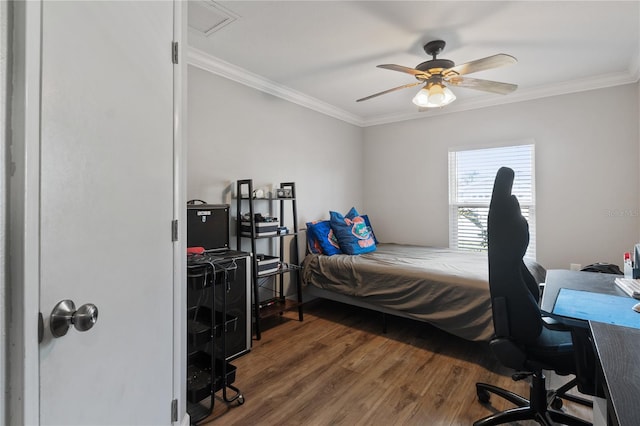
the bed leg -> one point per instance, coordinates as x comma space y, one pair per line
384, 323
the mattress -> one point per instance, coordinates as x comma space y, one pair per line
444, 287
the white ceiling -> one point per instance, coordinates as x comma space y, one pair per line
323, 54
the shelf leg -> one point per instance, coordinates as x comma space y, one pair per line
256, 303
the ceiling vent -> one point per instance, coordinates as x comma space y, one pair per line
206, 16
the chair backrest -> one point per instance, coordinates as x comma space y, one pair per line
514, 292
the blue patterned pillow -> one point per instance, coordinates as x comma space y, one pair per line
366, 220
321, 239
353, 213
352, 232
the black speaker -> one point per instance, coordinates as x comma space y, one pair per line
208, 226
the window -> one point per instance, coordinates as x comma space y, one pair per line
471, 176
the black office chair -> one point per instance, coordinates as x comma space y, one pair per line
523, 340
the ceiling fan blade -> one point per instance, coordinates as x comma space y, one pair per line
487, 63
407, 70
391, 90
484, 85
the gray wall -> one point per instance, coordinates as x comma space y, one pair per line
587, 151
587, 158
235, 132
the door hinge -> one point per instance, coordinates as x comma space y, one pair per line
40, 327
174, 230
174, 52
174, 410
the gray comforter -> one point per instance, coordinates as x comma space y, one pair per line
444, 287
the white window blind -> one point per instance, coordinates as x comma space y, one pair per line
471, 176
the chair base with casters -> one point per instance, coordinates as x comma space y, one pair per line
542, 406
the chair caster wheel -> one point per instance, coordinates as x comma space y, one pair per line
240, 399
556, 403
483, 396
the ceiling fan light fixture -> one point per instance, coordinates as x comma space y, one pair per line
434, 95
435, 72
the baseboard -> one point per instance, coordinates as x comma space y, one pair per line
186, 420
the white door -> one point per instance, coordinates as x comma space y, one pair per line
106, 210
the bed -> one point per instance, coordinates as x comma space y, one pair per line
446, 288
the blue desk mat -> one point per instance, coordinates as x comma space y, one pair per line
599, 307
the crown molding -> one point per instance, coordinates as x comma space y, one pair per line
521, 95
224, 69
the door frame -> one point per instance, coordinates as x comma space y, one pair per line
4, 126
180, 212
23, 214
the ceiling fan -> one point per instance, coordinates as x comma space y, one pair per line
436, 74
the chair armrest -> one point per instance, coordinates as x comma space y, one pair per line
553, 323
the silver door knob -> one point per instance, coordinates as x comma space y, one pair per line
65, 314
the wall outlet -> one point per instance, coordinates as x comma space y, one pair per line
575, 266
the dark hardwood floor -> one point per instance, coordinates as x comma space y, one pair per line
338, 368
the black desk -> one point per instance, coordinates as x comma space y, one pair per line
577, 280
618, 348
